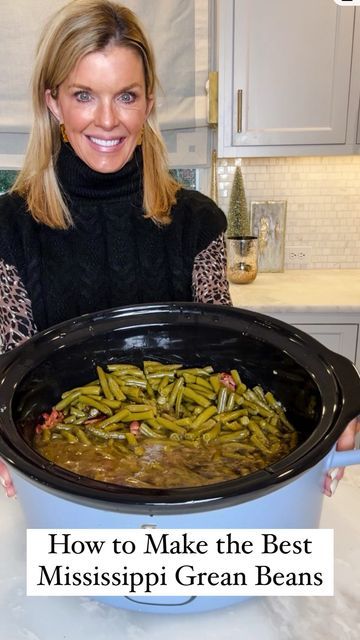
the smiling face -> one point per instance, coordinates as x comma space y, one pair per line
103, 105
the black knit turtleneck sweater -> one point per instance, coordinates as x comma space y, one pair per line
112, 255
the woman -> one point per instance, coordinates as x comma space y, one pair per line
94, 219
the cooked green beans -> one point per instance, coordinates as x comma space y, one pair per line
163, 425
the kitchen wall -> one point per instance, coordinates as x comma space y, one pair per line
323, 203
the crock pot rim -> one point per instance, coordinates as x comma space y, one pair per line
273, 475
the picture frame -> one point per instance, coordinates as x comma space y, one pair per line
268, 223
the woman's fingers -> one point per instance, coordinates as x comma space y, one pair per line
6, 481
347, 438
345, 442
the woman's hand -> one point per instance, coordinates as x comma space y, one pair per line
345, 442
6, 481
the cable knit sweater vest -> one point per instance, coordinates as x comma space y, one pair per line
112, 255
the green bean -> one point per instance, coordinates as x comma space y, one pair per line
193, 444
171, 425
277, 407
148, 432
226, 416
230, 401
100, 433
81, 435
153, 366
251, 407
178, 402
255, 429
124, 368
175, 390
189, 378
134, 382
260, 444
116, 417
267, 426
234, 436
236, 377
113, 404
115, 426
141, 415
76, 412
132, 393
196, 397
222, 399
239, 399
115, 389
195, 433
131, 439
60, 426
215, 382
136, 408
155, 425
203, 382
101, 406
252, 397
70, 437
165, 392
163, 383
45, 435
149, 390
204, 416
260, 393
160, 375
91, 390
207, 393
172, 407
65, 402
236, 424
196, 371
104, 383
184, 422
212, 434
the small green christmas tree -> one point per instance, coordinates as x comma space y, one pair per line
238, 214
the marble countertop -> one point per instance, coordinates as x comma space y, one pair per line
272, 618
335, 290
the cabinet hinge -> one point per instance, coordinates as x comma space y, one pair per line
212, 98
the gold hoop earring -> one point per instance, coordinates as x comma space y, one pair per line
140, 137
63, 133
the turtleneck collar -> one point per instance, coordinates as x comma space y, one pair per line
78, 180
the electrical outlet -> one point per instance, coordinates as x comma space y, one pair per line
298, 255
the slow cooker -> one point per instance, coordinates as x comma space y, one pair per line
320, 390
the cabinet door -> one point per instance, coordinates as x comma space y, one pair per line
284, 70
341, 338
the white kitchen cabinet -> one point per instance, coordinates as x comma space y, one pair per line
338, 332
286, 83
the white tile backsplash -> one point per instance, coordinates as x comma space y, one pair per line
323, 202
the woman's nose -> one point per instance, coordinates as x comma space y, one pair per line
107, 116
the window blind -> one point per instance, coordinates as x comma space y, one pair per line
179, 31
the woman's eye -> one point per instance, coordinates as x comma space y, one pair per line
127, 97
82, 96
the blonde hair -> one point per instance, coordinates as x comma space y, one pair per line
80, 28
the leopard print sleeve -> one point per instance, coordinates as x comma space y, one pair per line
209, 281
16, 319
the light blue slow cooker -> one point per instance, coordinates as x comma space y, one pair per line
320, 390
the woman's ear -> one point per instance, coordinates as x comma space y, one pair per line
149, 105
53, 105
